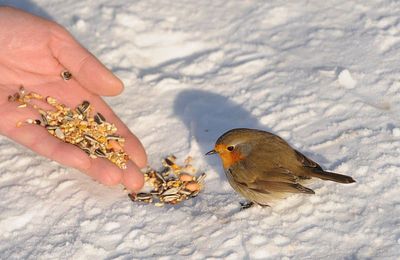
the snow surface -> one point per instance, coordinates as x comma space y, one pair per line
325, 75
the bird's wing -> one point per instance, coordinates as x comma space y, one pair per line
306, 162
276, 186
278, 180
278, 174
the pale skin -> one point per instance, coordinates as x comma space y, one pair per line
33, 52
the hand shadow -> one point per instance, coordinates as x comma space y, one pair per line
208, 115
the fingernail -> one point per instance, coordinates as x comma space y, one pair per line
132, 177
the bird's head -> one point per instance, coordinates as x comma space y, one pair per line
234, 146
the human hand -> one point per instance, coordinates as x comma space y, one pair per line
33, 53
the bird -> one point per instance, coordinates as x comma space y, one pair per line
264, 168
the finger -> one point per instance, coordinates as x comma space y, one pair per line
133, 146
85, 67
107, 173
99, 169
72, 94
132, 177
39, 140
104, 171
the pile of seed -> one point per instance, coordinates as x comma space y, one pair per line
77, 126
172, 185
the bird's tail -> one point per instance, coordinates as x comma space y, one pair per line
331, 176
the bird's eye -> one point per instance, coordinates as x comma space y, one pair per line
230, 148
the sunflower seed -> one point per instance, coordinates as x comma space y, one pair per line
132, 196
169, 162
170, 198
51, 127
114, 137
99, 118
160, 189
66, 75
69, 116
59, 133
185, 192
90, 138
100, 153
86, 150
201, 178
160, 177
83, 108
154, 193
80, 111
143, 196
171, 191
194, 194
44, 120
85, 105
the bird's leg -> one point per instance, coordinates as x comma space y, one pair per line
263, 205
246, 205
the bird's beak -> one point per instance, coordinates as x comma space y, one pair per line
211, 152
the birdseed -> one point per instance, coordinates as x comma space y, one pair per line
166, 186
172, 185
92, 134
66, 75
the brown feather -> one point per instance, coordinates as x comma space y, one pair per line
272, 186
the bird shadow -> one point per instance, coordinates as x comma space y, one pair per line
27, 6
208, 115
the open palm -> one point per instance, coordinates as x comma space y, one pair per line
33, 52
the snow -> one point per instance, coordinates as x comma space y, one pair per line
324, 75
346, 80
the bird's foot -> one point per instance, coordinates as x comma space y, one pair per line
264, 205
246, 205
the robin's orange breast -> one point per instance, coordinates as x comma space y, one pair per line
229, 157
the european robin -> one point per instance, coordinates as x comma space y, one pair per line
263, 167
